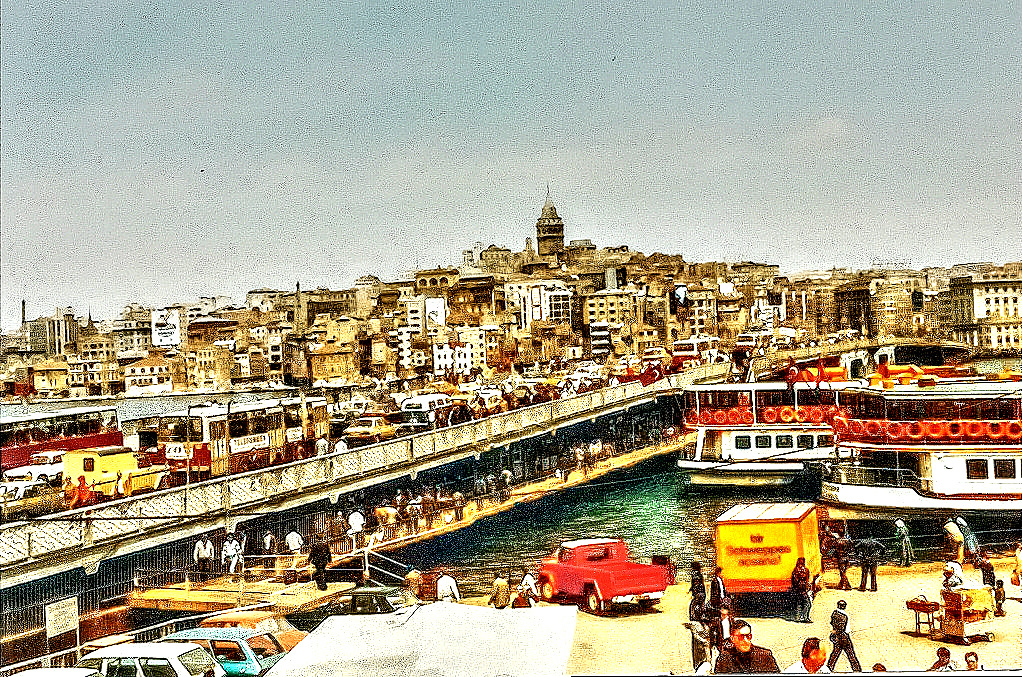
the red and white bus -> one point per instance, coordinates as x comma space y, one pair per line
213, 440
24, 435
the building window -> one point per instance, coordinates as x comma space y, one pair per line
976, 469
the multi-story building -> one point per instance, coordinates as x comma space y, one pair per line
892, 308
133, 332
54, 335
986, 308
208, 367
549, 232
616, 306
151, 374
50, 378
546, 300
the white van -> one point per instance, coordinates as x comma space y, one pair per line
424, 412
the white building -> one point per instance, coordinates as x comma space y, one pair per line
547, 300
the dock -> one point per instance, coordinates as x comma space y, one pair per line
223, 593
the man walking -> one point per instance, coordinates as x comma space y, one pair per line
907, 554
294, 543
842, 546
842, 641
203, 556
801, 590
697, 589
319, 557
742, 656
870, 552
500, 594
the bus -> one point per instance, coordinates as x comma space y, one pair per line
213, 440
23, 436
695, 351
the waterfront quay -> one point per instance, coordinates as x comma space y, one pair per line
883, 629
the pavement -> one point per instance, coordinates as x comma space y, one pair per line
629, 641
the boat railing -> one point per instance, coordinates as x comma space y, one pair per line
881, 477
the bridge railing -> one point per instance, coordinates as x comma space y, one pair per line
136, 515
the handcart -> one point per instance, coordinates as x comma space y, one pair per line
967, 614
925, 611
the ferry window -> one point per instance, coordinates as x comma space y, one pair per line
1004, 468
743, 442
785, 441
275, 421
216, 430
292, 418
825, 441
88, 464
805, 441
257, 424
976, 469
763, 441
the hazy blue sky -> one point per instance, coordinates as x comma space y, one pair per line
157, 151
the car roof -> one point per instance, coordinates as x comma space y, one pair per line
375, 590
59, 672
215, 633
143, 649
588, 541
251, 616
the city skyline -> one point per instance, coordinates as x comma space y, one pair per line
158, 153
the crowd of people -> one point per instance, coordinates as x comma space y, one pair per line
722, 643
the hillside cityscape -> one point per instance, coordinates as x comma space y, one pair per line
496, 311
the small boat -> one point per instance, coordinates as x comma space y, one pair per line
757, 434
930, 444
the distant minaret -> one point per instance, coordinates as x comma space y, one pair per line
22, 312
549, 230
300, 319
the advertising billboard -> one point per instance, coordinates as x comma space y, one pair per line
166, 328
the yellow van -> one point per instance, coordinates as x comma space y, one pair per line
116, 470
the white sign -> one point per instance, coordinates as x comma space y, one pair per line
166, 328
249, 442
61, 617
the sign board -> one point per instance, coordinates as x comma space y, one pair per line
61, 617
166, 328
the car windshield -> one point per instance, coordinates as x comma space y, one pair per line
196, 661
92, 663
402, 598
264, 646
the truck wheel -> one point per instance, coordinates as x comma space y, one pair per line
647, 604
593, 602
546, 591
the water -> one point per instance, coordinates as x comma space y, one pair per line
648, 507
645, 505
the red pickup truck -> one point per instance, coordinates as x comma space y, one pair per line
596, 572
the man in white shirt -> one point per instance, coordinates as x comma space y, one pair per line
341, 446
447, 588
321, 446
231, 555
294, 542
356, 522
203, 556
814, 658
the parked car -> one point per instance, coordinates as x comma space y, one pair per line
241, 652
368, 600
152, 659
44, 466
28, 498
598, 572
257, 619
369, 429
59, 672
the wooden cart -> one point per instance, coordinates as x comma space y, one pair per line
968, 614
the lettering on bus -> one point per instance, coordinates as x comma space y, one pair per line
249, 442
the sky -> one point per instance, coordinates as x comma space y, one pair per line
155, 152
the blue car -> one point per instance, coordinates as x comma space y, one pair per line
241, 652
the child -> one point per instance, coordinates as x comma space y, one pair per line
999, 598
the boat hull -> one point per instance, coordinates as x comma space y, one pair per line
749, 474
908, 499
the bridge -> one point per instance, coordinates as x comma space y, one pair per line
40, 547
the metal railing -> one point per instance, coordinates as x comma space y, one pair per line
882, 477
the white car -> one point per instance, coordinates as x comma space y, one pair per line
45, 466
152, 659
59, 672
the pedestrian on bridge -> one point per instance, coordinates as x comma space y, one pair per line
203, 555
319, 557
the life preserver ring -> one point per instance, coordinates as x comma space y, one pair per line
817, 414
770, 415
975, 429
955, 429
873, 427
720, 417
839, 424
802, 414
1013, 430
787, 415
895, 430
915, 431
732, 416
936, 430
706, 417
996, 430
856, 427
747, 418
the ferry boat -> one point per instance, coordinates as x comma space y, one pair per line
758, 434
929, 444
